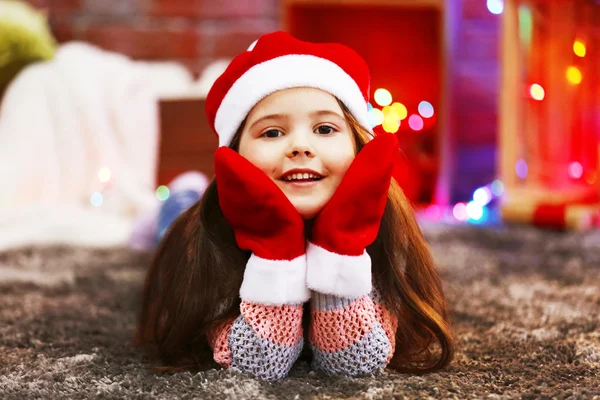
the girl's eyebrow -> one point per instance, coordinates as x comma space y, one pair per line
321, 113
270, 116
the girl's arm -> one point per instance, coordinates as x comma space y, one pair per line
351, 336
264, 340
351, 332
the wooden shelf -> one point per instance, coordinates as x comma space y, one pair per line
186, 142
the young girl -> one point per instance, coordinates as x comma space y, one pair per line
302, 222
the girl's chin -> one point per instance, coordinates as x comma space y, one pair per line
308, 212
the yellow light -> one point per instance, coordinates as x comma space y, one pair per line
391, 124
376, 117
574, 75
537, 92
388, 111
400, 110
383, 97
579, 48
104, 174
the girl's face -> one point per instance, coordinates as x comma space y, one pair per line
300, 139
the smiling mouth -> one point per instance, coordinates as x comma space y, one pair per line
302, 177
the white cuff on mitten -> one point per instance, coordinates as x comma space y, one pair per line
341, 275
275, 282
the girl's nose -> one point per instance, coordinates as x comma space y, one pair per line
300, 145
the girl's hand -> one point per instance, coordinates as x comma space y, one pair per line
263, 219
337, 260
350, 220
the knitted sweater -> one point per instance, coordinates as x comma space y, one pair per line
349, 336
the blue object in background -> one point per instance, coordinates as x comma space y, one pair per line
172, 208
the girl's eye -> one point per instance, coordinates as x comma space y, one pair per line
325, 130
272, 133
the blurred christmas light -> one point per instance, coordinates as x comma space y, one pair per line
376, 117
400, 110
482, 196
497, 187
96, 199
425, 109
104, 174
460, 212
369, 106
537, 92
579, 48
433, 212
391, 123
574, 75
525, 24
575, 170
162, 193
383, 97
415, 122
388, 112
521, 169
495, 6
474, 211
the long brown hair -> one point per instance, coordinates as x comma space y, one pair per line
194, 280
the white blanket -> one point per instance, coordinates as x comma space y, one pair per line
61, 122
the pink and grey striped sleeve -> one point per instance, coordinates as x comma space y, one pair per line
265, 340
351, 336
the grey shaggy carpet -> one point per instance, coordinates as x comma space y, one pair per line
526, 309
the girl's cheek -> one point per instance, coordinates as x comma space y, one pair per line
342, 161
339, 154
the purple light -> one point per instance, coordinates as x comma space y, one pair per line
521, 169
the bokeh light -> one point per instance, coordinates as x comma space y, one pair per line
574, 75
579, 48
433, 212
104, 174
383, 97
474, 211
375, 117
575, 170
521, 169
426, 109
460, 212
391, 123
400, 110
482, 196
537, 92
162, 193
497, 187
415, 122
495, 6
96, 199
388, 112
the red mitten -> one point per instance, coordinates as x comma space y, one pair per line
266, 223
337, 260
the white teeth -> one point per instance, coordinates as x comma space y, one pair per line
305, 175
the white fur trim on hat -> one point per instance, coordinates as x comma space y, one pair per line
295, 70
337, 274
275, 282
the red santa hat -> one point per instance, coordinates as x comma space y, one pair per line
278, 61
